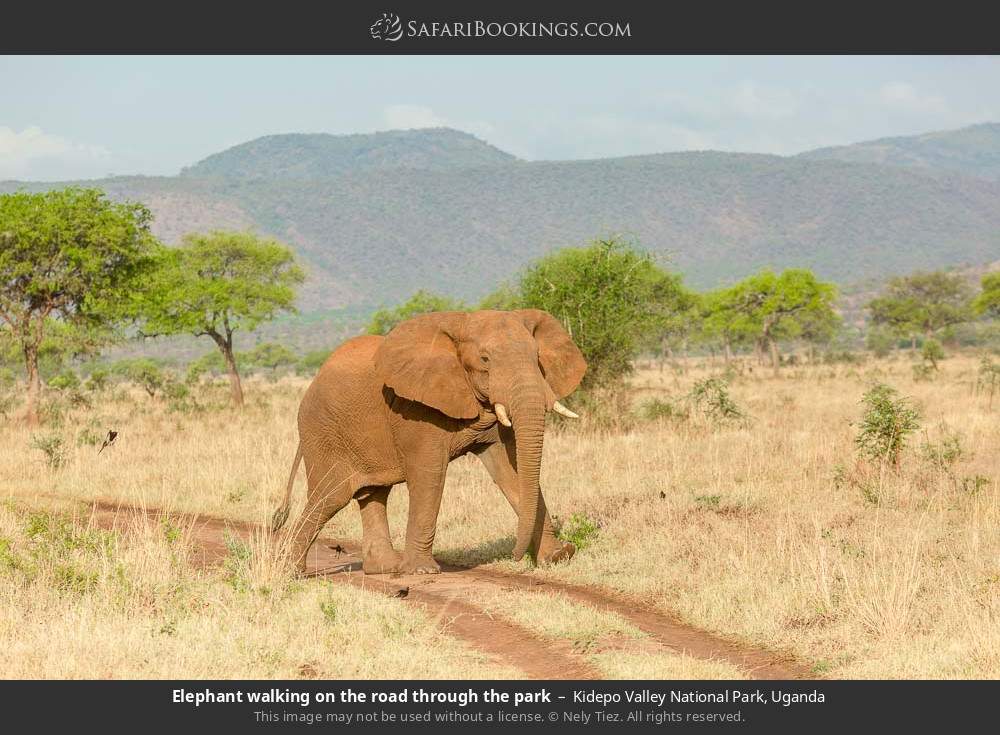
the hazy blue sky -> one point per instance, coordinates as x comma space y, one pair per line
70, 117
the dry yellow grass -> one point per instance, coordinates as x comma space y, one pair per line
770, 532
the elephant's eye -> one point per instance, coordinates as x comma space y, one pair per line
484, 359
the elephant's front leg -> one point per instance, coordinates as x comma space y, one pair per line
499, 462
425, 483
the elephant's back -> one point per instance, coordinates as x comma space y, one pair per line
355, 354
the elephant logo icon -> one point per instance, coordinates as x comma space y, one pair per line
387, 28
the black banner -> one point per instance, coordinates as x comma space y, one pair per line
450, 27
387, 706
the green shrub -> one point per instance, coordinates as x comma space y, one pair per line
659, 409
945, 453
609, 295
988, 377
710, 397
880, 341
422, 302
66, 380
310, 363
144, 372
579, 530
97, 380
53, 447
329, 610
237, 562
932, 352
887, 423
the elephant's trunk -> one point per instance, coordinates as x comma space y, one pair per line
528, 416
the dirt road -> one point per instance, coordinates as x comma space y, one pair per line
451, 599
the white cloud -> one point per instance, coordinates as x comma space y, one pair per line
906, 97
753, 101
609, 134
412, 116
33, 153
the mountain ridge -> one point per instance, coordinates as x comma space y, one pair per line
372, 233
973, 150
322, 155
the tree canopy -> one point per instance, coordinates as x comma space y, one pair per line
68, 257
218, 283
421, 302
923, 303
767, 307
988, 300
609, 296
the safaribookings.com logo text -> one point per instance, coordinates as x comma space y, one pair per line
390, 28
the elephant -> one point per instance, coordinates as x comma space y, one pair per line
399, 408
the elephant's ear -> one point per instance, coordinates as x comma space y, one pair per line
419, 360
561, 361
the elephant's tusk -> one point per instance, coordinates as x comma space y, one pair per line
563, 411
502, 414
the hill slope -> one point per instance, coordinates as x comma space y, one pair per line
376, 233
974, 151
312, 156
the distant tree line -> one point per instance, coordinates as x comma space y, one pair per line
81, 273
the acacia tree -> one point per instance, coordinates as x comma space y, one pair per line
69, 259
922, 303
723, 324
988, 300
609, 296
769, 307
216, 284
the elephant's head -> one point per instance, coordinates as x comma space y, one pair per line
517, 364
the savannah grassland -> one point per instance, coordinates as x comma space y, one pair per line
769, 531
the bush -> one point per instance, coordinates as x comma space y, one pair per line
658, 409
66, 380
609, 296
142, 371
887, 423
210, 362
579, 530
311, 362
53, 447
710, 397
931, 352
988, 377
945, 453
267, 355
97, 380
880, 341
422, 302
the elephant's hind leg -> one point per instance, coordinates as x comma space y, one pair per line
332, 484
376, 547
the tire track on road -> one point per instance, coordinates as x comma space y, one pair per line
451, 597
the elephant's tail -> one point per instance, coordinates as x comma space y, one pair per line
281, 514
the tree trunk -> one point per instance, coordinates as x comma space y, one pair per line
234, 375
34, 387
775, 358
729, 352
913, 342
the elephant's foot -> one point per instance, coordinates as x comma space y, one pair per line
555, 551
380, 558
419, 564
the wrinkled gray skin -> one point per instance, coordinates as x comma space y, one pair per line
386, 410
